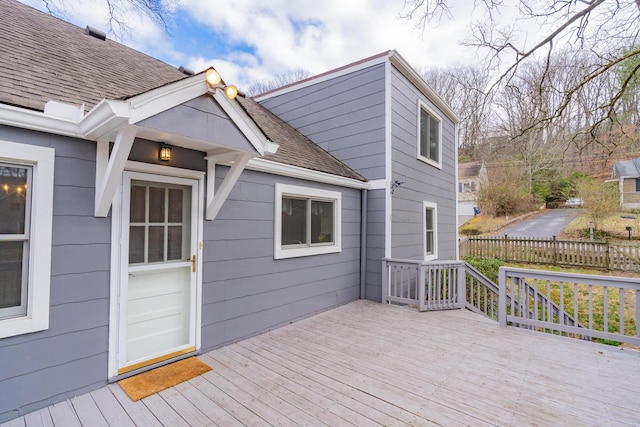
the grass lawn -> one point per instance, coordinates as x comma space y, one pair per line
613, 227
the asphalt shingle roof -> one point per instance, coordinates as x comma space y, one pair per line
626, 168
295, 148
43, 58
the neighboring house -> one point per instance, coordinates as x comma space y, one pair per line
471, 177
116, 260
627, 173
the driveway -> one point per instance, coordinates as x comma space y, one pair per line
547, 225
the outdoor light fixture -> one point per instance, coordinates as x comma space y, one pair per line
215, 82
213, 77
231, 91
165, 153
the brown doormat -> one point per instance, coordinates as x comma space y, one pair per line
148, 383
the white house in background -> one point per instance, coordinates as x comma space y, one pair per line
471, 177
627, 174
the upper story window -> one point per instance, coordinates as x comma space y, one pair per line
429, 135
466, 187
26, 205
638, 185
308, 221
430, 230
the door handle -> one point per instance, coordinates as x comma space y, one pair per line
193, 263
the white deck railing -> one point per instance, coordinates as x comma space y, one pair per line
606, 307
577, 305
444, 283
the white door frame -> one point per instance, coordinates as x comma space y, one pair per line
158, 172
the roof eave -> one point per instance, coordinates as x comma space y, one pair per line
403, 66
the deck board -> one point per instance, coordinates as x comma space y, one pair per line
371, 364
87, 411
137, 411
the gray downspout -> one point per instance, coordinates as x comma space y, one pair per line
363, 242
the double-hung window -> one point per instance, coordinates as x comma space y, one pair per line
26, 203
429, 136
430, 216
308, 221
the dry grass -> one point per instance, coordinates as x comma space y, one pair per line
612, 227
482, 224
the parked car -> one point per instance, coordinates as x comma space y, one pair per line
574, 202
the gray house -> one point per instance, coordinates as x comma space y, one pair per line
148, 213
627, 174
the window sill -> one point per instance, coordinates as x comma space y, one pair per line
428, 161
307, 251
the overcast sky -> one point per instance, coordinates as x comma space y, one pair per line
249, 40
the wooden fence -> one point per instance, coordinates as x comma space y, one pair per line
600, 255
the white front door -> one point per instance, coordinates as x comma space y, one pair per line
157, 315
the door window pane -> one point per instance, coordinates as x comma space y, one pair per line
156, 204
174, 243
138, 201
156, 244
175, 204
136, 244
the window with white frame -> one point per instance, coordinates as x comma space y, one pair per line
430, 218
308, 221
429, 135
26, 205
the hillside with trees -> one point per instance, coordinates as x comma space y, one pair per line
542, 117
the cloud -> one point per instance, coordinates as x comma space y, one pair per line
249, 40
318, 36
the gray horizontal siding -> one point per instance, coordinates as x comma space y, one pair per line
246, 291
70, 357
202, 119
420, 181
375, 243
344, 115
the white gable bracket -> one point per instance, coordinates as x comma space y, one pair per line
246, 125
109, 169
215, 199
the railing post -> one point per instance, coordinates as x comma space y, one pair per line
462, 285
502, 297
385, 282
420, 277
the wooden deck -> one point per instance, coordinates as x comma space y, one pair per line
371, 364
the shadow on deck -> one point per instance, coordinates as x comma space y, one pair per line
371, 364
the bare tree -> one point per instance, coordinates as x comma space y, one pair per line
463, 88
158, 11
261, 86
607, 31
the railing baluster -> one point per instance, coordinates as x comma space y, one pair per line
637, 312
590, 306
621, 308
605, 305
